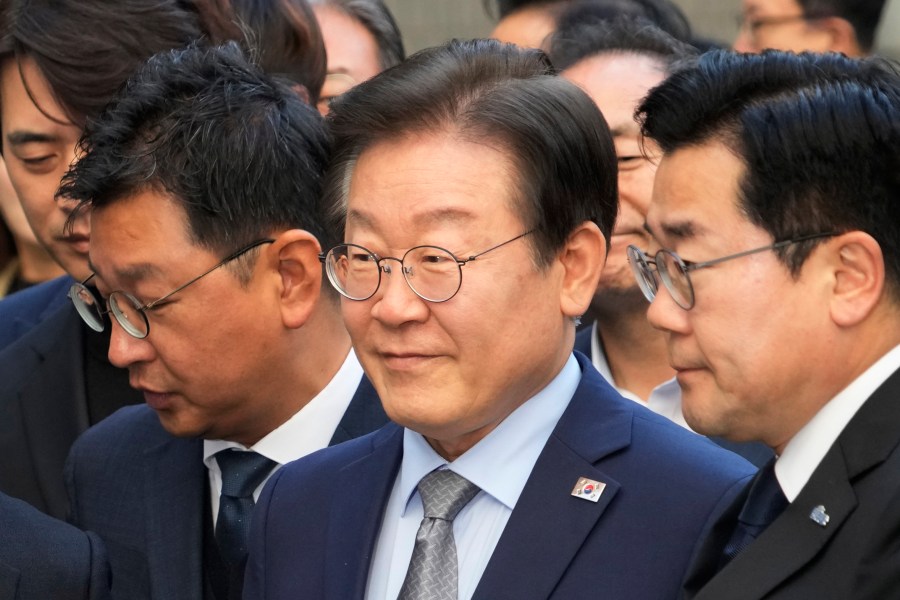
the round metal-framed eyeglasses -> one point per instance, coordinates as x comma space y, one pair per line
674, 271
128, 310
432, 272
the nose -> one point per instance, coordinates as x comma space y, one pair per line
744, 41
126, 350
395, 303
664, 313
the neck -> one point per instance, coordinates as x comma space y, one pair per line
635, 351
35, 264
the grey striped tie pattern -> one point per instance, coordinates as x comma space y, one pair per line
433, 569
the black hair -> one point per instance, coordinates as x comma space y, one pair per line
819, 135
240, 151
498, 94
375, 16
863, 15
580, 40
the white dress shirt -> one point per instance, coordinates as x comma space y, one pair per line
310, 429
665, 399
808, 447
499, 464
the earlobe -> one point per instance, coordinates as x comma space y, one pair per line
858, 277
582, 259
300, 275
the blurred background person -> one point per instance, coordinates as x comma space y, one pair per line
847, 26
23, 261
361, 40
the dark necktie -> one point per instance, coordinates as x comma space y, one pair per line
433, 569
242, 472
763, 505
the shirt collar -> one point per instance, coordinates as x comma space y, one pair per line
310, 428
502, 461
804, 452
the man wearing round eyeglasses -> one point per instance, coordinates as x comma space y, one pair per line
777, 287
202, 183
477, 191
846, 26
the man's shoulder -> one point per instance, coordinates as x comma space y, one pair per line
23, 310
131, 431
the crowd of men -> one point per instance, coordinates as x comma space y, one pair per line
592, 308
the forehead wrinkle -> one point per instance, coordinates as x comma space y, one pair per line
426, 219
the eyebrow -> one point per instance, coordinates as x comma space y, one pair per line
677, 230
18, 138
130, 274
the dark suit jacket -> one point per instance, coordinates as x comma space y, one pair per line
143, 491
756, 453
23, 310
43, 409
42, 558
855, 555
318, 519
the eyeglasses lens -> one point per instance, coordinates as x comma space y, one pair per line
125, 309
675, 278
87, 306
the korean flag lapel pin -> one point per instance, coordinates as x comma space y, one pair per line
588, 489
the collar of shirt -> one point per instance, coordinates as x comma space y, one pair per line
310, 429
808, 447
501, 462
665, 399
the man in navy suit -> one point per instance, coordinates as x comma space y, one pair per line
477, 192
778, 290
203, 183
41, 557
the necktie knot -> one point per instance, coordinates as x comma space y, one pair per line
242, 472
444, 494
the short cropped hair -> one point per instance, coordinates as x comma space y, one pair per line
864, 15
240, 151
499, 94
375, 16
819, 135
578, 41
588, 13
86, 49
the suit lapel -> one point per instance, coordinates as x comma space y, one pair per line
355, 523
794, 539
174, 484
53, 415
363, 415
588, 431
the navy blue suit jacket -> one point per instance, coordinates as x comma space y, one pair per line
143, 492
317, 521
43, 558
757, 453
23, 310
43, 409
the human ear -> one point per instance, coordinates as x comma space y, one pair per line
858, 267
582, 259
841, 35
296, 259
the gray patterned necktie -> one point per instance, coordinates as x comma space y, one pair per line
433, 570
242, 472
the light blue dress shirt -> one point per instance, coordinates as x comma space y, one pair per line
499, 464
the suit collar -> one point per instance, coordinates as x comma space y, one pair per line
795, 539
596, 424
174, 491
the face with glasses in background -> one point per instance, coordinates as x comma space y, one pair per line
194, 331
736, 319
786, 25
449, 312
